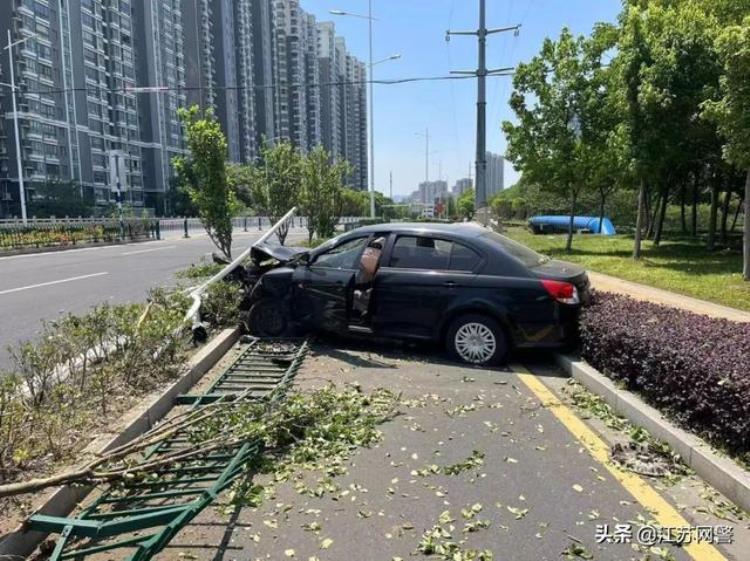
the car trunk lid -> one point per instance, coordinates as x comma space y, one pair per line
565, 272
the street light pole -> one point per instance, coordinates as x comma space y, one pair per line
372, 118
19, 161
370, 19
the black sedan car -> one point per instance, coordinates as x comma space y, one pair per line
477, 292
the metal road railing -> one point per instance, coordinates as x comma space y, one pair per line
167, 500
52, 234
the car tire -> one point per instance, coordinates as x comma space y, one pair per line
477, 339
267, 318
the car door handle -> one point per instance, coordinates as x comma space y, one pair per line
449, 284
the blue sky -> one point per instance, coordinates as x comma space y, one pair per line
416, 30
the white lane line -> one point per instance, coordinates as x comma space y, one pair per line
148, 250
82, 277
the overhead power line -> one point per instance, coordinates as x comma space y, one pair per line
159, 89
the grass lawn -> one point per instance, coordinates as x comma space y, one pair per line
682, 266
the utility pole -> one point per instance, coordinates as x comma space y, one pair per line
391, 181
481, 73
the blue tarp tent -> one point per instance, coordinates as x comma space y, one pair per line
552, 224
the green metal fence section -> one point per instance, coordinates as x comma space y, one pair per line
49, 234
137, 519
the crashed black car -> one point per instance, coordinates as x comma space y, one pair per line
476, 291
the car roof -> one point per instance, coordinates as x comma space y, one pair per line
460, 229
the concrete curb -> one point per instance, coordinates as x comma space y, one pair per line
722, 473
21, 543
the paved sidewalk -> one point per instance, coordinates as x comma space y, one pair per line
606, 283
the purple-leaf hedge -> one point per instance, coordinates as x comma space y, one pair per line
694, 368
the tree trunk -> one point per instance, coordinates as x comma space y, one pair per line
662, 215
602, 202
740, 205
683, 218
725, 213
569, 243
694, 221
648, 214
639, 221
746, 239
711, 242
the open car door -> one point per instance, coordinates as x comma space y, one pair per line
324, 287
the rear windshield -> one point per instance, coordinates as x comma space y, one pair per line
527, 256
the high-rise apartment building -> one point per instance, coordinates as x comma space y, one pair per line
74, 76
355, 121
103, 78
331, 75
161, 78
262, 49
295, 76
200, 62
495, 174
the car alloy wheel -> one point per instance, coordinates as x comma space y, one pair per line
475, 343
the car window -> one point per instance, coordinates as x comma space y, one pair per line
527, 256
421, 252
464, 258
344, 256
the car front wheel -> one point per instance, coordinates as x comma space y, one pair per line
267, 318
477, 339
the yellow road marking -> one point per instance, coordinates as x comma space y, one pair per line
663, 512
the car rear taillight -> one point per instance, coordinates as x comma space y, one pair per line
563, 292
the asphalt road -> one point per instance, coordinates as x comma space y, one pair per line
541, 493
44, 286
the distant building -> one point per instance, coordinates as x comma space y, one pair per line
432, 191
461, 186
495, 174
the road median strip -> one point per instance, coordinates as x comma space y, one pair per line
21, 542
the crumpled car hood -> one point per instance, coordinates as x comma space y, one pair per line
283, 254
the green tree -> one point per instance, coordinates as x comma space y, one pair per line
204, 175
557, 139
279, 182
241, 178
666, 67
732, 111
465, 204
322, 186
353, 202
451, 210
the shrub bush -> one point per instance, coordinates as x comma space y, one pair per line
81, 372
693, 368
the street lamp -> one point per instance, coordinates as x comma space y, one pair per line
12, 85
370, 19
392, 57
